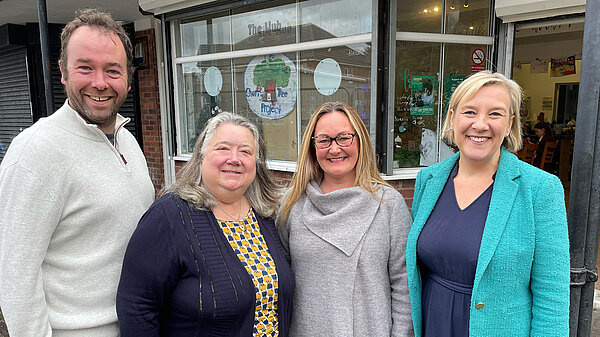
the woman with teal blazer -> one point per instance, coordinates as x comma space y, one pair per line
488, 251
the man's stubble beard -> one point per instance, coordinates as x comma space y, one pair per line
77, 101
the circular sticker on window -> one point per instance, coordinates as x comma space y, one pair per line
213, 81
328, 76
270, 84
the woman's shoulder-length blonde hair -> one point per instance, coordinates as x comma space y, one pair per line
467, 89
263, 194
367, 174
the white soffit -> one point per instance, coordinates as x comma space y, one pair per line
165, 6
522, 10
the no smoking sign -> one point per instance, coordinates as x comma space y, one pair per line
478, 57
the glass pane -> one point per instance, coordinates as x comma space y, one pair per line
205, 35
419, 16
336, 74
266, 90
323, 19
457, 66
259, 26
204, 90
467, 17
417, 104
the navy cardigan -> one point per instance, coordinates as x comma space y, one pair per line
180, 276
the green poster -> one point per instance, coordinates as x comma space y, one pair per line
450, 84
422, 95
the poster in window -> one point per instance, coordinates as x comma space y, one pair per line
422, 95
562, 66
270, 83
451, 82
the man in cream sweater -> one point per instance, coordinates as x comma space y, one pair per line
72, 189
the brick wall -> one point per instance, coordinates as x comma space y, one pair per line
406, 188
150, 111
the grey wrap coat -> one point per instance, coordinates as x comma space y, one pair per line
347, 251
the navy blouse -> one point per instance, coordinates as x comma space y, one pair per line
447, 252
181, 277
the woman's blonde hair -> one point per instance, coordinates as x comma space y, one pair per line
469, 87
367, 174
263, 194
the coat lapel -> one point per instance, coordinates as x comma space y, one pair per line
504, 193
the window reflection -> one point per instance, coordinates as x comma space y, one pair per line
323, 19
467, 17
464, 17
204, 90
205, 35
256, 26
354, 85
419, 16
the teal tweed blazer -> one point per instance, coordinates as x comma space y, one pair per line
522, 276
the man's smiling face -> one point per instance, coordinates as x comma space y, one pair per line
95, 75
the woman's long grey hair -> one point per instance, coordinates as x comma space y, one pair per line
263, 194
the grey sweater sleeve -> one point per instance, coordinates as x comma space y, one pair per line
28, 216
399, 225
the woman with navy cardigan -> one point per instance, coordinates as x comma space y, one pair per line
488, 251
205, 259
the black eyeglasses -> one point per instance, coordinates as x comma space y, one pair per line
342, 140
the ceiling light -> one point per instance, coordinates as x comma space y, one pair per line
435, 9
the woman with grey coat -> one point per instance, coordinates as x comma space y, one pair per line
344, 229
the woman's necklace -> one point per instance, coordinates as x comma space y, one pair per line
237, 219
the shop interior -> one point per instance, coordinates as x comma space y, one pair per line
547, 64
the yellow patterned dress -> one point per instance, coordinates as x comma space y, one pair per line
247, 242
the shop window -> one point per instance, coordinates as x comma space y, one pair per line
204, 89
257, 62
426, 73
422, 97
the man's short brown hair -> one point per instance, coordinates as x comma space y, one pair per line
100, 20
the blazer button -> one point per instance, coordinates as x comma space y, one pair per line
479, 305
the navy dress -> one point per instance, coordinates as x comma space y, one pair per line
447, 251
